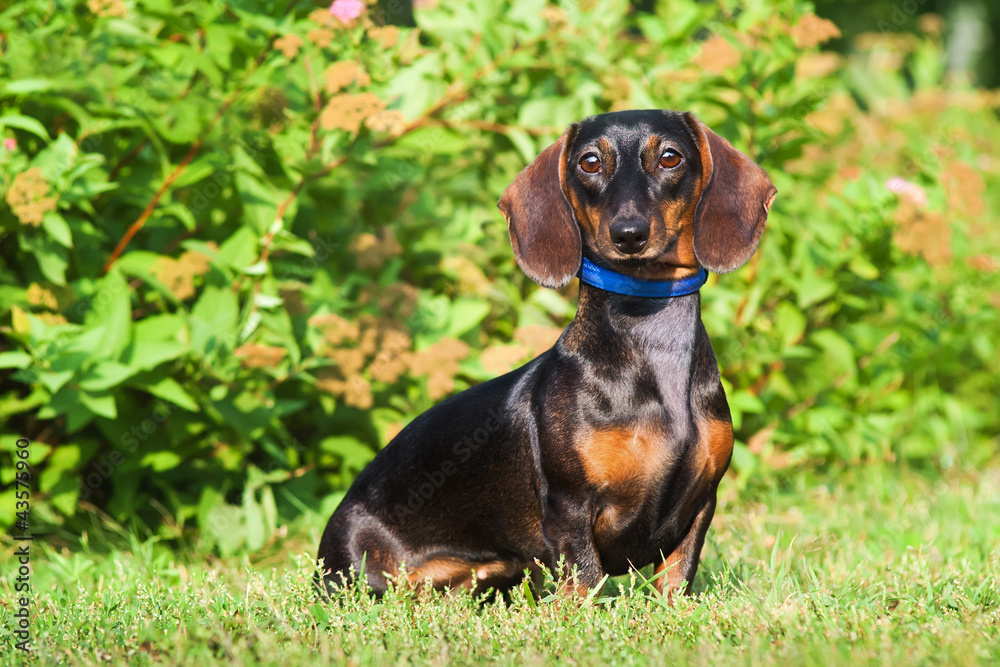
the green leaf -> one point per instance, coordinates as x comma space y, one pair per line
254, 521
214, 321
353, 454
861, 267
106, 375
288, 242
259, 201
240, 249
258, 269
169, 389
51, 257
56, 227
838, 350
466, 314
57, 158
54, 380
29, 85
26, 123
791, 323
156, 340
102, 406
811, 288
744, 461
524, 144
224, 523
160, 461
269, 508
111, 315
15, 359
148, 354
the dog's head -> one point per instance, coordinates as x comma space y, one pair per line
653, 194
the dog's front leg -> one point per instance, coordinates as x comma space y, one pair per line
567, 525
682, 564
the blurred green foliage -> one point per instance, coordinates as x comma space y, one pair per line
241, 246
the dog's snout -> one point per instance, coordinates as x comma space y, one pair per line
630, 236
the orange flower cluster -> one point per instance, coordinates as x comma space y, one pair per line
372, 251
439, 363
288, 45
381, 348
108, 8
471, 279
28, 197
390, 361
387, 36
350, 344
348, 110
529, 342
812, 30
984, 263
342, 74
398, 300
258, 355
178, 274
922, 232
964, 188
389, 121
717, 55
40, 296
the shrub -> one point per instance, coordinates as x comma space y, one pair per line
241, 247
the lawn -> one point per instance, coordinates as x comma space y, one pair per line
874, 566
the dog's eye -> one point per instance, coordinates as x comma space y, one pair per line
590, 163
670, 159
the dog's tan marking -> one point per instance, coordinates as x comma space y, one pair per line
618, 455
623, 463
460, 573
716, 439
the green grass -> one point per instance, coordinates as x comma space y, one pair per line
873, 567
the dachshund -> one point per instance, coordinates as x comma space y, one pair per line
606, 451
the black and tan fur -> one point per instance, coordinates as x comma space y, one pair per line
609, 447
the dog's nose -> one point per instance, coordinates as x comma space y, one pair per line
630, 236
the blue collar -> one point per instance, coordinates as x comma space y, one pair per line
612, 281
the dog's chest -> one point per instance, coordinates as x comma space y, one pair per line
642, 477
620, 459
626, 467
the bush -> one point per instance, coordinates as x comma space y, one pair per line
242, 247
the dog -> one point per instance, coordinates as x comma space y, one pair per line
606, 450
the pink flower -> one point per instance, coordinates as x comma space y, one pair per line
10, 144
347, 10
904, 188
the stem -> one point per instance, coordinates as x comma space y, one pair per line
179, 169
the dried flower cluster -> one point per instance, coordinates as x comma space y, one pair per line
717, 55
288, 45
922, 232
178, 274
529, 341
348, 110
40, 296
812, 30
108, 8
28, 197
372, 251
258, 355
344, 73
381, 348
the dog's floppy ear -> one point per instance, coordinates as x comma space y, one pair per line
736, 194
543, 230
